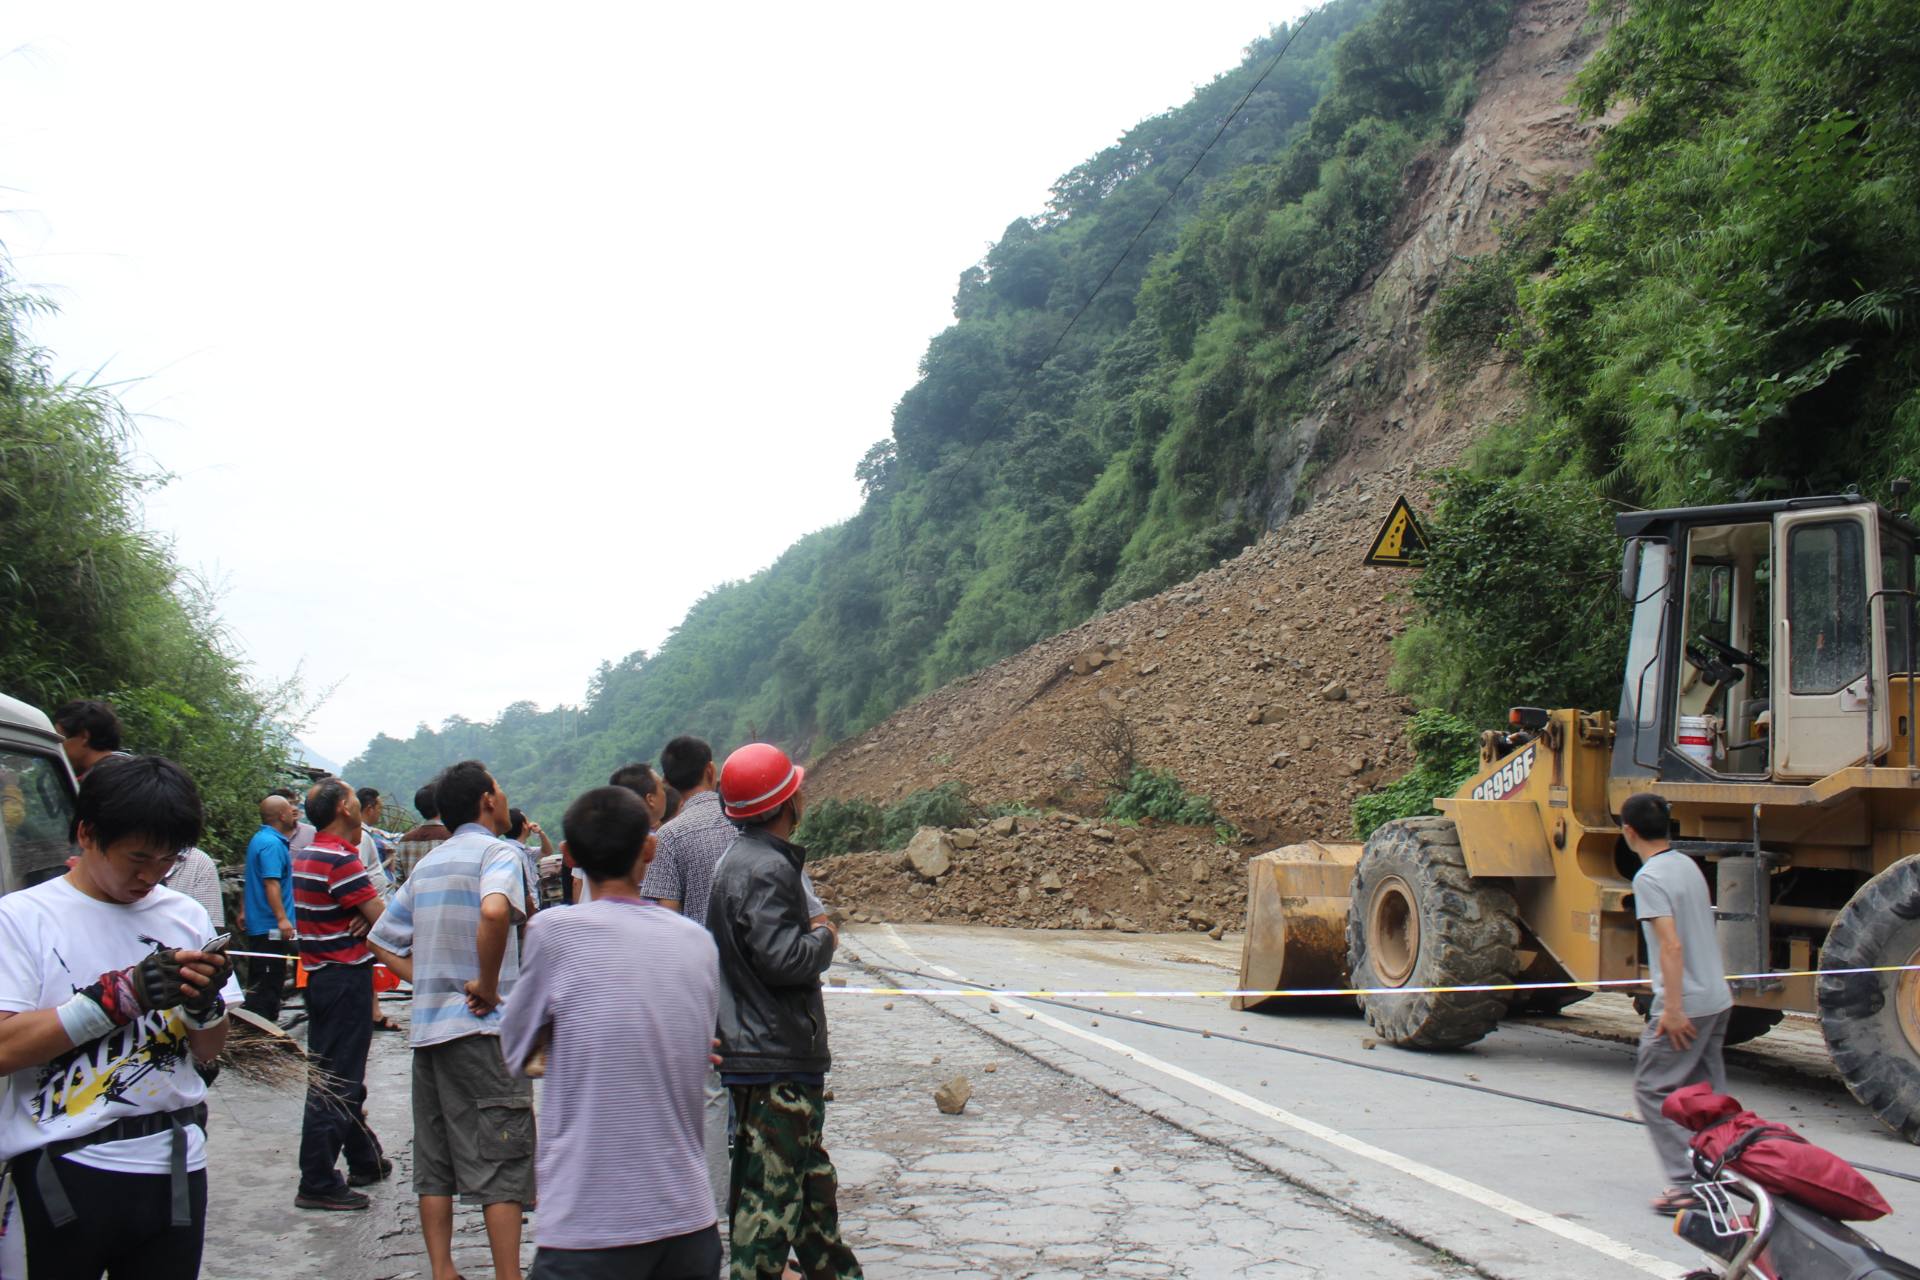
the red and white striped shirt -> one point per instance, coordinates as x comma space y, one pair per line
329, 884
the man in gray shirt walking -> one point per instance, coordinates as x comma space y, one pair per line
1687, 1028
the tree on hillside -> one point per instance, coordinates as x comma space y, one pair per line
92, 604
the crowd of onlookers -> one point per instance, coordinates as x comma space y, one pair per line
669, 994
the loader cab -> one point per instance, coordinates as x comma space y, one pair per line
36, 798
1763, 638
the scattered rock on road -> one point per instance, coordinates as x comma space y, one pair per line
952, 1096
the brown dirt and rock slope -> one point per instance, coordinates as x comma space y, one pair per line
1263, 682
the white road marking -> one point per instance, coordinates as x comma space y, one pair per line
1602, 1244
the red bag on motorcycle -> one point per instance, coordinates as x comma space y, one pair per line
1773, 1155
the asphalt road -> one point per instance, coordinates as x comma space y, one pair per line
1512, 1188
1095, 1145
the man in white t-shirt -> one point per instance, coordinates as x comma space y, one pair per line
107, 999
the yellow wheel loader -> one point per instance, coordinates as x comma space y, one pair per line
1769, 696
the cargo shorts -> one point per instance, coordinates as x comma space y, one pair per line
472, 1123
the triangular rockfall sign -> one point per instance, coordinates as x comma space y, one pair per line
1400, 544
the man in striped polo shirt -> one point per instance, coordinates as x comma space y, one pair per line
450, 931
334, 904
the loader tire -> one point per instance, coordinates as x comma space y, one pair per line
1419, 920
1872, 1020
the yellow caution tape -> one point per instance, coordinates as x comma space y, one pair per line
990, 992
1298, 992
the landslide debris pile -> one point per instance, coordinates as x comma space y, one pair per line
1262, 684
1053, 871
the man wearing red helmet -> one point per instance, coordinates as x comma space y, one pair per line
773, 1028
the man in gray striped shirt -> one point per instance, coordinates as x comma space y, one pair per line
621, 1163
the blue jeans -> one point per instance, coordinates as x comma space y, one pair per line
339, 1032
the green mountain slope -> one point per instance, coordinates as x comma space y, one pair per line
1040, 471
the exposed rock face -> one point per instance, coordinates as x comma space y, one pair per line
1521, 142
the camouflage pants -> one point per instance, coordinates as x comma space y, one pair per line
784, 1194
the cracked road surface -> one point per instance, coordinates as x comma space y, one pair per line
1045, 1176
1509, 1186
1097, 1146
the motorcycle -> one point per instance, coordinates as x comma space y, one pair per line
1758, 1235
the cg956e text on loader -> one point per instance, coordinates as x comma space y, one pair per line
1769, 695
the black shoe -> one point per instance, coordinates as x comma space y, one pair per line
339, 1198
367, 1177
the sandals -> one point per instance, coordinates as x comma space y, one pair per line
1673, 1200
384, 1023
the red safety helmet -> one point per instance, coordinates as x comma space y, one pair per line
757, 779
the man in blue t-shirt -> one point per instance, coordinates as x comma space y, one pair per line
269, 904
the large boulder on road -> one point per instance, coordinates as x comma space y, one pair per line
929, 854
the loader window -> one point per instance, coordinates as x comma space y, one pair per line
1708, 622
35, 811
1896, 574
1827, 606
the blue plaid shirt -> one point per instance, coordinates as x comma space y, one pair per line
435, 918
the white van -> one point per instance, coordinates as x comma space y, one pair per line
36, 798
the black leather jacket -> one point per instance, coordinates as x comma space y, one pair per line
772, 1018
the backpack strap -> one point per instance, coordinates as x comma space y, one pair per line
46, 1179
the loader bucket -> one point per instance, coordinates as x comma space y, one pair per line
1296, 920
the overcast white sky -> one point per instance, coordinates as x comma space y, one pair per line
537, 321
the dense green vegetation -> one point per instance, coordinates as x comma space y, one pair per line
92, 604
1157, 794
1064, 449
1722, 309
848, 826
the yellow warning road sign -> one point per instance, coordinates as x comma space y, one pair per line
1400, 544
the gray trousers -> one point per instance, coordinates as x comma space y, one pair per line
718, 1118
1660, 1069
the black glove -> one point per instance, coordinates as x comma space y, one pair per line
209, 1002
156, 979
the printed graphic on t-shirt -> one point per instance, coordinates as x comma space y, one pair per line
114, 1069
121, 1070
